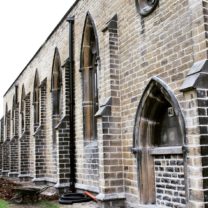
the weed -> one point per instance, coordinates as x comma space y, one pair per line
3, 204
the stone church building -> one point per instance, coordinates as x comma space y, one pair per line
115, 102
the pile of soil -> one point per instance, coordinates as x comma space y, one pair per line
7, 192
6, 188
52, 197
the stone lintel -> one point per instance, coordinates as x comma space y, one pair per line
197, 77
13, 138
27, 96
199, 66
62, 185
5, 171
166, 150
24, 176
111, 24
23, 135
38, 179
37, 130
43, 83
6, 141
13, 174
109, 197
67, 63
61, 123
44, 179
94, 189
104, 107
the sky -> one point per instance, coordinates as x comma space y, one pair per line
24, 27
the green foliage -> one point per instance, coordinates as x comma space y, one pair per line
3, 204
42, 204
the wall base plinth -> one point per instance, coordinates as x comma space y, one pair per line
114, 200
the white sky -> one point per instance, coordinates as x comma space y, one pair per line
24, 26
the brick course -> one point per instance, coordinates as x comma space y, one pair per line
40, 143
169, 181
24, 172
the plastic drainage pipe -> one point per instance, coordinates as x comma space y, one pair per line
72, 198
71, 106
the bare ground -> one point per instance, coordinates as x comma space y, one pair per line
7, 192
78, 205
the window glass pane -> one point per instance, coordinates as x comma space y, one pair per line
168, 129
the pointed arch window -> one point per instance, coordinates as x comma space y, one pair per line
22, 109
36, 100
13, 115
14, 110
6, 120
6, 112
56, 84
89, 58
2, 130
159, 130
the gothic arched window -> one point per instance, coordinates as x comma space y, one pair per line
22, 109
56, 84
89, 58
6, 120
36, 100
13, 115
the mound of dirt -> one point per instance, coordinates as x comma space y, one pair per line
6, 188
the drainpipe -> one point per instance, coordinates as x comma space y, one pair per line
70, 20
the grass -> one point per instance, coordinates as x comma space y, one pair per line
5, 204
41, 204
47, 204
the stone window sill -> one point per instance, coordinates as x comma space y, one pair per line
90, 144
37, 130
61, 122
166, 150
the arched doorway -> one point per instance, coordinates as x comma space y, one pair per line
159, 134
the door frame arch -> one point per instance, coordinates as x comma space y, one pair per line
143, 129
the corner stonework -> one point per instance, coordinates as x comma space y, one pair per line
40, 138
62, 130
6, 145
111, 170
195, 90
1, 143
14, 144
24, 172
